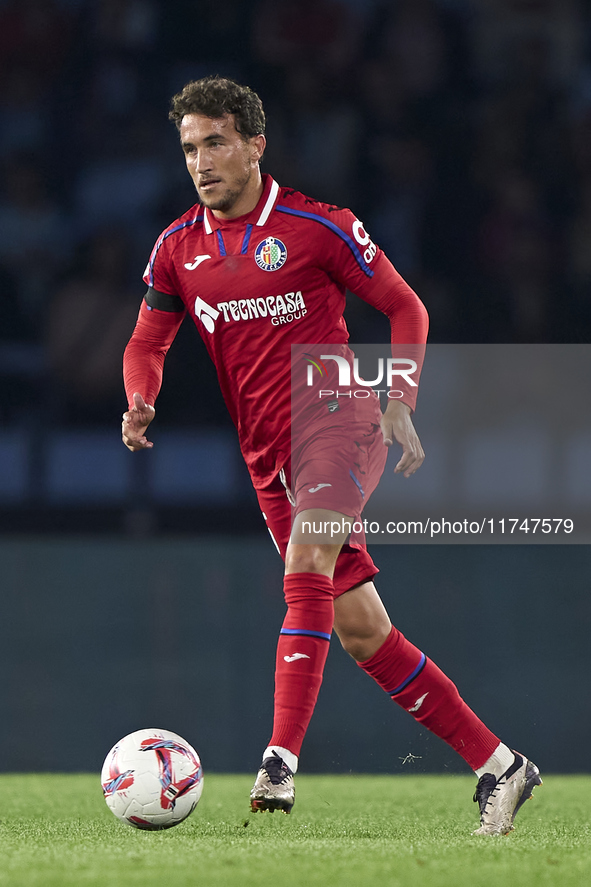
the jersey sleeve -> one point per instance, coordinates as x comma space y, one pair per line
358, 264
143, 360
158, 274
159, 319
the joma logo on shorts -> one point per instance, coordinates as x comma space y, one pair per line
280, 309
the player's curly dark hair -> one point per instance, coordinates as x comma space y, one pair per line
217, 96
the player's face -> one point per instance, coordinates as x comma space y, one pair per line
224, 166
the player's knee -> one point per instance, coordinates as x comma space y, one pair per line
361, 641
310, 559
354, 646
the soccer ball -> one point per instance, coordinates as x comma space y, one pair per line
152, 779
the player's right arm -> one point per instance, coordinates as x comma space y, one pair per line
143, 364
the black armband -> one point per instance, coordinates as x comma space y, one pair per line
163, 301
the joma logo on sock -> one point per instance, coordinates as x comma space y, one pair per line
419, 702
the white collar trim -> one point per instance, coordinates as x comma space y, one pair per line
262, 219
270, 202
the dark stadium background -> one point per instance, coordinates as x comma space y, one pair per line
142, 591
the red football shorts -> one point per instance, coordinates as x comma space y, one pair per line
338, 470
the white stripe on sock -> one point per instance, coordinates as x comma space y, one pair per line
290, 759
500, 761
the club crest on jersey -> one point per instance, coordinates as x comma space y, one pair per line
270, 254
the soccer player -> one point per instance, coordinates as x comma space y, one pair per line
261, 268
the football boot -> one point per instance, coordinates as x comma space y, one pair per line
274, 788
500, 799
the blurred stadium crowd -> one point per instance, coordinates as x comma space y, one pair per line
458, 130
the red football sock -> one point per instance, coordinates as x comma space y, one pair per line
422, 689
301, 653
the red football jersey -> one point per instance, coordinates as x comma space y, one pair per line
254, 286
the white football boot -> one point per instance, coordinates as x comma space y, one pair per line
500, 799
274, 788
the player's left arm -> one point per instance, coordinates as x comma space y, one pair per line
409, 323
397, 425
368, 273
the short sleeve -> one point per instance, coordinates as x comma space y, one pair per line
158, 274
349, 254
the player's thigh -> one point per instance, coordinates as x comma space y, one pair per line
339, 469
316, 539
354, 565
277, 513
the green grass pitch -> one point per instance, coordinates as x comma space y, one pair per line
346, 831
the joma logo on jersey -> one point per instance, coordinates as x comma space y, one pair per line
280, 310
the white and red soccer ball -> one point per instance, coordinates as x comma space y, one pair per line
152, 779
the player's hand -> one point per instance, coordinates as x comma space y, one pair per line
135, 422
397, 426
